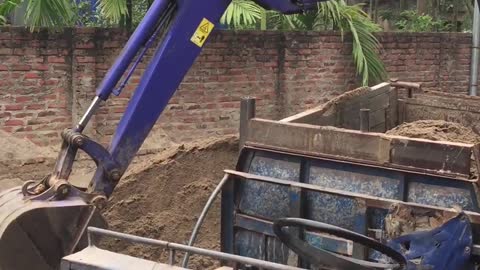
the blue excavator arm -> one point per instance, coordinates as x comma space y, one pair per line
185, 26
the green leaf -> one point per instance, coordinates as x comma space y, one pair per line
49, 13
8, 6
242, 13
354, 20
113, 9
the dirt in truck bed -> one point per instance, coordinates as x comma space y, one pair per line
163, 196
436, 130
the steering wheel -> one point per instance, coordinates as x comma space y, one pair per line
320, 257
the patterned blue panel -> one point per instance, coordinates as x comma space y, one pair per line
440, 195
276, 167
331, 209
354, 178
249, 244
268, 200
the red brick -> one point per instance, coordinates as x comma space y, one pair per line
57, 106
40, 67
16, 107
3, 68
35, 106
31, 75
14, 122
85, 59
23, 99
21, 67
85, 45
56, 59
22, 115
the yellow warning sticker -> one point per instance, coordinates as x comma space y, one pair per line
202, 32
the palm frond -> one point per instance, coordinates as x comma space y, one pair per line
278, 21
7, 7
113, 9
354, 20
242, 12
49, 13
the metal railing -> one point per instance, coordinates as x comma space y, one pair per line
173, 247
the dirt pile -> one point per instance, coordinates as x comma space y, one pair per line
21, 149
162, 197
436, 130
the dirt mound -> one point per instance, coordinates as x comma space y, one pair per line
21, 149
436, 130
162, 197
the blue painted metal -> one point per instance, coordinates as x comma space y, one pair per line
268, 201
448, 247
289, 7
147, 46
166, 70
141, 34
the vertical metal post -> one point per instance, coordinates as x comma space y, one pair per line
247, 112
475, 51
365, 120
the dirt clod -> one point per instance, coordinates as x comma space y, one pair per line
162, 197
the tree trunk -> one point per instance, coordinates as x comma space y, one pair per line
403, 5
422, 7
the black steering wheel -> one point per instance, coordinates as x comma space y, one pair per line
320, 257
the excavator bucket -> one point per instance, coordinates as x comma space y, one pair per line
37, 234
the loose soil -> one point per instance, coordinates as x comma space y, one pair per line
162, 197
436, 130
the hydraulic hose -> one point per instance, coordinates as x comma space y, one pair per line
200, 220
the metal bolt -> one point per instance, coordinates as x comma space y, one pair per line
100, 202
467, 249
115, 175
78, 141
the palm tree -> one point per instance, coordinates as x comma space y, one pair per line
61, 13
331, 15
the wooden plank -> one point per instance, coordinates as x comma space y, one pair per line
392, 110
329, 110
439, 158
430, 155
373, 103
318, 140
377, 117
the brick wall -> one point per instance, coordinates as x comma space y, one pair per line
47, 80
